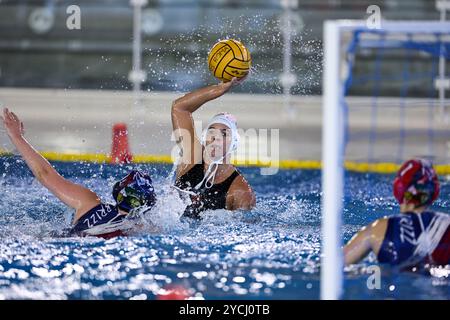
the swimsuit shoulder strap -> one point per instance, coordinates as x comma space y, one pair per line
226, 184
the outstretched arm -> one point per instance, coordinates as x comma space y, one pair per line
182, 122
73, 195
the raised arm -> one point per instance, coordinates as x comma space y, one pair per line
73, 195
183, 123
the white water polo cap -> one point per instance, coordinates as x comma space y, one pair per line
228, 120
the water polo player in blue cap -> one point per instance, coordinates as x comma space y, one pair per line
204, 172
92, 217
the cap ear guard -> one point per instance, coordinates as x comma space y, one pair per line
398, 189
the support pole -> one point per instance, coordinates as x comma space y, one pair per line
137, 75
332, 172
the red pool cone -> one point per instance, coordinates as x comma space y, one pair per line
120, 149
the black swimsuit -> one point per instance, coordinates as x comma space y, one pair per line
205, 198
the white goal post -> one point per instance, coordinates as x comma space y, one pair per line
333, 138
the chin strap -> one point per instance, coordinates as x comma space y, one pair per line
211, 172
184, 191
209, 176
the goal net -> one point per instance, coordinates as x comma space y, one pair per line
383, 103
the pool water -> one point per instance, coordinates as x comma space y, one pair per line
272, 252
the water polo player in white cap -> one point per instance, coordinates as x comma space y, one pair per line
204, 171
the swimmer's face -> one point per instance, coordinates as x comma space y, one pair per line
218, 141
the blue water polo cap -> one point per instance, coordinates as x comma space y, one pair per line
134, 190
